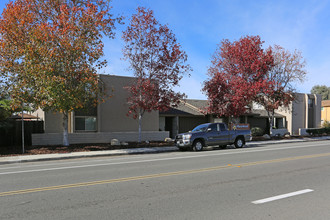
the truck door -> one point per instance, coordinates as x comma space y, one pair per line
212, 134
223, 137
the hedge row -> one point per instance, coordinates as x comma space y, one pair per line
318, 131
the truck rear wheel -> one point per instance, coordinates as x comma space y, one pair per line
198, 145
239, 142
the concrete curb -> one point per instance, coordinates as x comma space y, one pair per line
252, 143
75, 155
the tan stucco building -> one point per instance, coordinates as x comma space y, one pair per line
110, 116
325, 111
107, 120
304, 112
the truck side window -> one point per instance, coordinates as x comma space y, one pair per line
213, 127
222, 127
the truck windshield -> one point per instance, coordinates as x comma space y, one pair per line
200, 128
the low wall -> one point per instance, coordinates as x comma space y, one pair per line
303, 131
100, 137
280, 132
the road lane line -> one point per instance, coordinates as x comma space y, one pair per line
151, 160
107, 164
200, 154
150, 176
75, 185
270, 199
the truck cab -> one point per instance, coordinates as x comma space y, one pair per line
211, 134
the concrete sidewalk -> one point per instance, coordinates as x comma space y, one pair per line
44, 157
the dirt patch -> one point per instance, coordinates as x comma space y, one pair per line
54, 149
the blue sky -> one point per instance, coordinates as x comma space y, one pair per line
201, 25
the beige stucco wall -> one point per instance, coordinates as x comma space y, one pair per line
112, 114
317, 112
53, 122
39, 113
297, 113
287, 112
162, 123
325, 114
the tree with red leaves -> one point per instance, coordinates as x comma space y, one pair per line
158, 63
288, 68
237, 75
50, 51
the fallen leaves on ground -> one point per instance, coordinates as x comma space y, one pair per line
54, 149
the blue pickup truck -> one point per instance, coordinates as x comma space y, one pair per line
211, 134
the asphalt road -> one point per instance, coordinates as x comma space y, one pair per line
283, 181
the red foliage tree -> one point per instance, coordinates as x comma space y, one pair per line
237, 75
158, 62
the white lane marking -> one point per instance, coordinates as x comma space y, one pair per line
200, 154
76, 160
235, 151
270, 199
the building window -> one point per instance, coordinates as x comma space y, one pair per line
310, 103
86, 119
85, 123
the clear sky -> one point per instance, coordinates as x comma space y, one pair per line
200, 25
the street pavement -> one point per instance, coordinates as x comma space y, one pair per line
61, 156
282, 181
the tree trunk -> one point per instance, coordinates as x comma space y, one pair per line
65, 129
271, 121
23, 150
140, 123
140, 120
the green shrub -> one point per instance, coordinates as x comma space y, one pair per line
317, 131
327, 130
257, 131
326, 124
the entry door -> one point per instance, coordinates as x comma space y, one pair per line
169, 126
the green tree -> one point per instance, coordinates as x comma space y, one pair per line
5, 109
322, 90
50, 52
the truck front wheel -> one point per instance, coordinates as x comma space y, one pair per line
239, 142
198, 145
